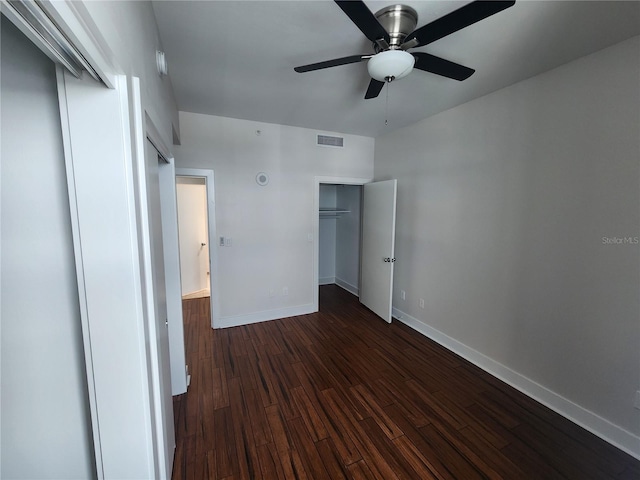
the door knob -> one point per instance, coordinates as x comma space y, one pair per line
203, 244
387, 259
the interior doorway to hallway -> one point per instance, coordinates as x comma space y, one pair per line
197, 234
191, 194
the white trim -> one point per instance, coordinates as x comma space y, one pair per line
102, 152
138, 135
128, 113
43, 37
214, 278
265, 315
615, 435
316, 224
326, 281
79, 261
73, 19
153, 135
63, 30
173, 282
348, 287
204, 292
171, 255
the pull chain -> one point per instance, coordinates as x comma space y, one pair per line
386, 108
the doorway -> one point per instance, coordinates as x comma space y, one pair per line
191, 193
376, 238
339, 236
197, 233
352, 282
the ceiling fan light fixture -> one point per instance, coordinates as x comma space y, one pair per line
390, 65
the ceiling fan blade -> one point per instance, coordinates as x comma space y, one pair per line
375, 87
331, 63
456, 20
440, 66
366, 21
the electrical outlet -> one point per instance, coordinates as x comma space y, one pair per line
285, 291
403, 295
422, 303
636, 404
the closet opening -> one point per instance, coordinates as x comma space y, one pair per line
339, 235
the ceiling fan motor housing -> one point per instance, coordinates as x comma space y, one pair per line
399, 21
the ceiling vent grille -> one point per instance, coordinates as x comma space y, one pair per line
329, 141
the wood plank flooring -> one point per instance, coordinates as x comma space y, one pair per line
341, 394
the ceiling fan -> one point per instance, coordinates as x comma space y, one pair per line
392, 31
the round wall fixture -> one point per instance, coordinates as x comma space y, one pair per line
262, 179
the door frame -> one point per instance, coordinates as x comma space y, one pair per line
209, 178
169, 210
101, 157
315, 235
143, 130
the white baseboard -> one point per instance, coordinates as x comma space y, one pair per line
615, 435
197, 294
326, 280
347, 286
237, 320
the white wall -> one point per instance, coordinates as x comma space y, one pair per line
130, 30
270, 226
192, 226
348, 238
45, 430
327, 237
503, 204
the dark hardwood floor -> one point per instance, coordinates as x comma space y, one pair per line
342, 394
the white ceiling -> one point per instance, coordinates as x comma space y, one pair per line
236, 58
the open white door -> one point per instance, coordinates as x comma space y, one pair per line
378, 245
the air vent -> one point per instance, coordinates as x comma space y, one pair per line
329, 141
